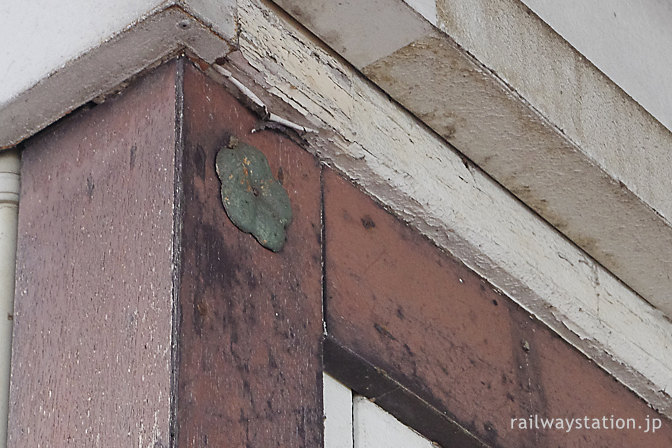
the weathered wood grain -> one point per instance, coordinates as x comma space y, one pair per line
446, 335
429, 185
250, 319
92, 350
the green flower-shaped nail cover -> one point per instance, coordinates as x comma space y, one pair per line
254, 201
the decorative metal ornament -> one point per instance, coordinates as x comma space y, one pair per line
253, 199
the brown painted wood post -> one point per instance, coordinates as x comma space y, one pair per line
250, 320
93, 310
143, 316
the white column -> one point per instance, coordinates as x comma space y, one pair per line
375, 428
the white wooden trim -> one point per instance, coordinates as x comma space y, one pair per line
412, 170
509, 93
428, 184
87, 70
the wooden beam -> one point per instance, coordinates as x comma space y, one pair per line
427, 183
429, 340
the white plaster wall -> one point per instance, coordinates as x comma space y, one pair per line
337, 414
629, 41
375, 428
55, 57
426, 8
35, 44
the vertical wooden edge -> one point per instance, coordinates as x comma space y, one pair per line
178, 218
372, 382
323, 255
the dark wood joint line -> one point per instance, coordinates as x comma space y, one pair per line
368, 380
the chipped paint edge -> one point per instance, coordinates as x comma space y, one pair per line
429, 185
480, 223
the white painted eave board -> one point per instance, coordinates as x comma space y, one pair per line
514, 97
62, 54
431, 186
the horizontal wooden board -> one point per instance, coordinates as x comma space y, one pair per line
432, 325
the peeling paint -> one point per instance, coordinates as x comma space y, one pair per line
461, 209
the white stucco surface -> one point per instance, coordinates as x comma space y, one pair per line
426, 8
630, 41
65, 64
35, 43
375, 428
